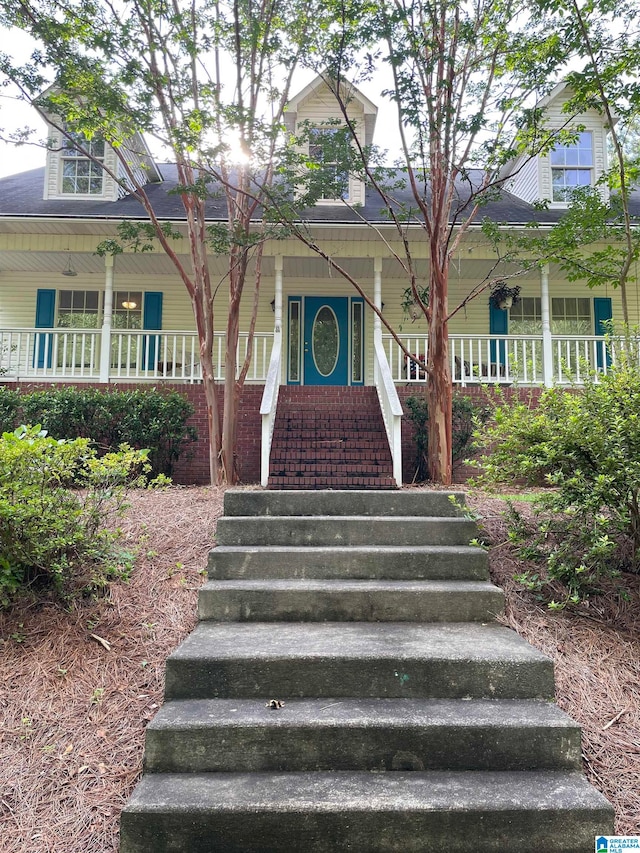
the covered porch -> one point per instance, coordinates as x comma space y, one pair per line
305, 307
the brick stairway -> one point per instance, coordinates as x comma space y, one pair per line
329, 438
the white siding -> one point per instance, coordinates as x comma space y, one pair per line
525, 184
137, 159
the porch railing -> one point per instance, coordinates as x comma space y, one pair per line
134, 355
391, 408
269, 405
502, 359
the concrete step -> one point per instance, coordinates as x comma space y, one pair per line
401, 812
419, 562
344, 531
404, 503
342, 659
295, 600
227, 735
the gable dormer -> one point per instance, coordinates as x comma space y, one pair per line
74, 167
581, 162
316, 108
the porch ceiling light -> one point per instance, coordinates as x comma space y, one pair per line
129, 305
69, 270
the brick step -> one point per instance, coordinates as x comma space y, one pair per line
339, 466
351, 428
304, 483
332, 438
351, 444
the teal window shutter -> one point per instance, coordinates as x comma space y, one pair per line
601, 313
151, 319
45, 318
498, 325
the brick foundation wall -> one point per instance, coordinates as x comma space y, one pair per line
478, 394
193, 469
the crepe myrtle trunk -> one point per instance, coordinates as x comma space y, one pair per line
213, 411
238, 266
439, 388
231, 394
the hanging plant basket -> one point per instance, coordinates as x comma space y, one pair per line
503, 296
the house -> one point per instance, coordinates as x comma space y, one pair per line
67, 315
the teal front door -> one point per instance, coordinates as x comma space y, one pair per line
325, 341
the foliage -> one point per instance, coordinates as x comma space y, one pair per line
156, 420
461, 77
209, 82
598, 240
586, 446
467, 415
53, 537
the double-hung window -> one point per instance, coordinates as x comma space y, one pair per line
327, 149
572, 166
82, 174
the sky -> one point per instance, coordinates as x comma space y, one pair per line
15, 114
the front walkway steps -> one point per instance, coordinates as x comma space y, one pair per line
410, 720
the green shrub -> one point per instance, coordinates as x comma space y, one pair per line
586, 446
465, 415
54, 537
156, 420
9, 408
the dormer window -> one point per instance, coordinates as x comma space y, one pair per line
572, 166
327, 149
81, 175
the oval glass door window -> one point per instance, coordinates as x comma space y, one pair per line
325, 341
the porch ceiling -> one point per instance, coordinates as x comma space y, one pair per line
296, 269
52, 263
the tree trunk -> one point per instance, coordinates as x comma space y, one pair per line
231, 394
439, 391
213, 416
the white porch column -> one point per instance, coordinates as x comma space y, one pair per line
377, 301
107, 314
547, 345
278, 295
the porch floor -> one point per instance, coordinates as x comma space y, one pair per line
329, 437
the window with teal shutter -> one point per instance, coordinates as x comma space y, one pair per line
45, 316
601, 313
151, 319
498, 325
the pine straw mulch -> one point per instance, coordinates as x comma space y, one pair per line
596, 652
78, 688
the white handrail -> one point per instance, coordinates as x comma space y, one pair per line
269, 405
391, 408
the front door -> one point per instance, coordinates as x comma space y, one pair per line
325, 342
